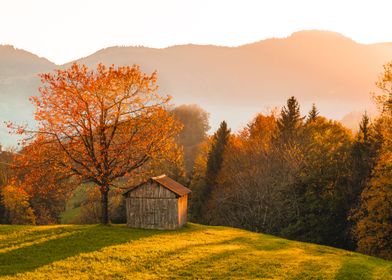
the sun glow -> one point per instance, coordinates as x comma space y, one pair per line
66, 30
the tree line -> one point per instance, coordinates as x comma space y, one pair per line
306, 178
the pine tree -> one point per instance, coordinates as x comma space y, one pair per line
364, 127
373, 228
290, 121
215, 156
365, 150
313, 114
214, 165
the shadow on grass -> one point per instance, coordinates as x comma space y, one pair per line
229, 260
356, 268
73, 241
21, 236
311, 270
204, 266
232, 264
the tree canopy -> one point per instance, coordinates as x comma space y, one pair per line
99, 125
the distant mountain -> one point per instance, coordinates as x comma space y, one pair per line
18, 80
232, 83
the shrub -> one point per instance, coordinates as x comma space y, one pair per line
17, 206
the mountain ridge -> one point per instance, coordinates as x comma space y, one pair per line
294, 34
232, 83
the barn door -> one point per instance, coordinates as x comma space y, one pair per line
158, 214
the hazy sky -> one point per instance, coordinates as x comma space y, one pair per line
69, 29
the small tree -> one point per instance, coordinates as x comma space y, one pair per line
313, 114
290, 121
16, 203
384, 83
99, 125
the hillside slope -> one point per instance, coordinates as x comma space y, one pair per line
116, 252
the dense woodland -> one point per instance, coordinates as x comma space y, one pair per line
306, 178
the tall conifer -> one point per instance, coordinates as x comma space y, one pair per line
290, 120
313, 114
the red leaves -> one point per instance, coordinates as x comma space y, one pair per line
15, 129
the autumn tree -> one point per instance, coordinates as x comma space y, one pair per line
47, 185
373, 216
17, 206
245, 196
6, 158
384, 97
99, 125
373, 227
322, 186
294, 179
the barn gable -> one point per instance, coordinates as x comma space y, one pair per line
172, 185
153, 190
163, 183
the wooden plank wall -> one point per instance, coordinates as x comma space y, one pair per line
152, 207
152, 190
182, 210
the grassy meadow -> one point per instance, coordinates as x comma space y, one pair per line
196, 251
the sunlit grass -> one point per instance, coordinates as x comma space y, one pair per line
116, 252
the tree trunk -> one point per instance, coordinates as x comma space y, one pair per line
104, 205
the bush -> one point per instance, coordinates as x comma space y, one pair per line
17, 206
90, 209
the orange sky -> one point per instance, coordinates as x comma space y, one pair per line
65, 30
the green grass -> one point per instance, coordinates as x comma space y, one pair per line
194, 252
72, 208
70, 215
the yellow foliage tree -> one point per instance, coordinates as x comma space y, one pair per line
373, 228
16, 203
373, 217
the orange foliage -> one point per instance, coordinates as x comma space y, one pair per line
373, 217
16, 203
98, 125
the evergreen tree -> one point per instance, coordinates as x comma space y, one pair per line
364, 127
215, 156
365, 150
214, 164
373, 228
288, 159
313, 114
290, 121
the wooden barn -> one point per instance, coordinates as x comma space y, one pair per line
159, 203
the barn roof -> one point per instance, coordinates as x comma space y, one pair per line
166, 182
